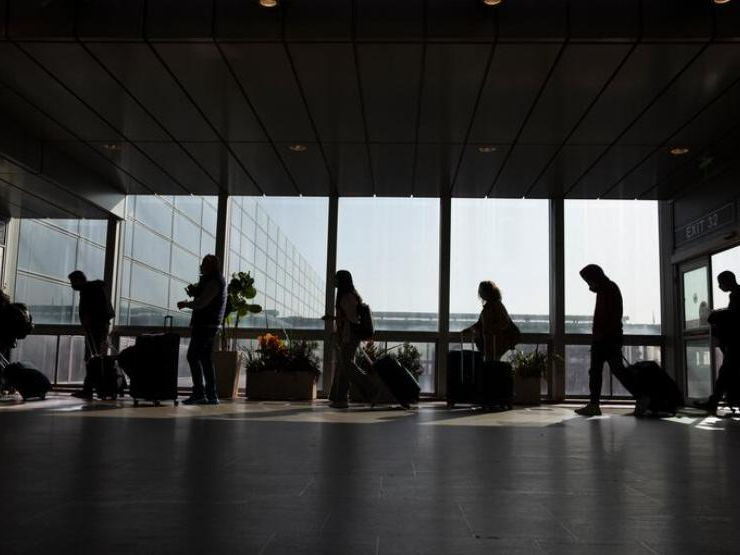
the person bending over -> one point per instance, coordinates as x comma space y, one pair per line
491, 331
607, 334
208, 305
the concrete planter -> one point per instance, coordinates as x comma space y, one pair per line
228, 369
281, 386
526, 390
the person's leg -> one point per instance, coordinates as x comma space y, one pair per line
340, 383
722, 383
197, 342
595, 380
206, 361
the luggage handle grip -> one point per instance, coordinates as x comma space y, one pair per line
169, 318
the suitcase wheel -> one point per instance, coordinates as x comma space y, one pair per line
157, 404
177, 403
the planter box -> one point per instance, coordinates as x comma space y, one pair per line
228, 368
281, 386
526, 391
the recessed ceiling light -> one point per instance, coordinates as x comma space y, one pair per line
679, 150
492, 2
298, 147
111, 147
268, 3
721, 1
486, 148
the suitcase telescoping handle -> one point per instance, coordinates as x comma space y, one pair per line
462, 358
169, 323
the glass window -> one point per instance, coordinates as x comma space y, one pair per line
148, 286
507, 242
302, 224
185, 266
155, 213
723, 261
695, 298
191, 206
90, 258
698, 369
151, 249
45, 250
94, 231
186, 234
40, 351
391, 247
622, 238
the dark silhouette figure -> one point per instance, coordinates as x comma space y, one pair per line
346, 319
208, 305
494, 331
96, 313
607, 334
726, 329
7, 340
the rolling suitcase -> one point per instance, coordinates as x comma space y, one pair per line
105, 377
153, 372
26, 380
495, 385
399, 381
647, 379
461, 366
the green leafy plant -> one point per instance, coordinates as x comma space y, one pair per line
532, 365
239, 293
272, 354
406, 354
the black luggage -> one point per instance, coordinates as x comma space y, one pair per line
647, 379
461, 367
399, 381
104, 377
153, 368
495, 385
26, 380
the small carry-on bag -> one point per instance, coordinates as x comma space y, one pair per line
26, 379
647, 379
399, 381
153, 368
495, 385
102, 374
461, 367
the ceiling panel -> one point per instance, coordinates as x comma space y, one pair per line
37, 19
715, 70
515, 77
89, 81
350, 168
533, 19
16, 203
275, 94
390, 20
648, 70
390, 83
478, 170
393, 169
29, 80
677, 18
565, 169
327, 75
35, 121
605, 19
579, 76
435, 167
147, 172
177, 163
216, 159
521, 169
137, 68
92, 158
171, 19
111, 19
247, 20
460, 20
200, 68
452, 79
646, 176
318, 19
265, 167
727, 20
307, 168
609, 170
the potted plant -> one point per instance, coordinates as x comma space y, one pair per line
407, 356
529, 369
229, 360
282, 370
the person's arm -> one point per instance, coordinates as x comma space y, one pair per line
207, 294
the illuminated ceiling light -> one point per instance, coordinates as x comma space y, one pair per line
111, 147
268, 3
298, 147
486, 149
720, 2
679, 150
492, 2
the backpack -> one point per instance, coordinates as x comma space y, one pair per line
364, 328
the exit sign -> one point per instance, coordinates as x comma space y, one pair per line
714, 221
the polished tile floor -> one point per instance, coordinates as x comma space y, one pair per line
268, 478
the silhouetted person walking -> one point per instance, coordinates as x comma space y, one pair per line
96, 313
726, 328
606, 343
492, 331
346, 317
208, 304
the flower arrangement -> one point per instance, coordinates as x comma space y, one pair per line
272, 354
532, 365
406, 354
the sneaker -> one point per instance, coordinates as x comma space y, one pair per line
213, 401
195, 401
709, 405
339, 405
589, 410
641, 406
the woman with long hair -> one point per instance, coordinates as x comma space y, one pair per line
491, 330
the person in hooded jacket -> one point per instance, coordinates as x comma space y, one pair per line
607, 334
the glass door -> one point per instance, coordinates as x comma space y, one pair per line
696, 304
